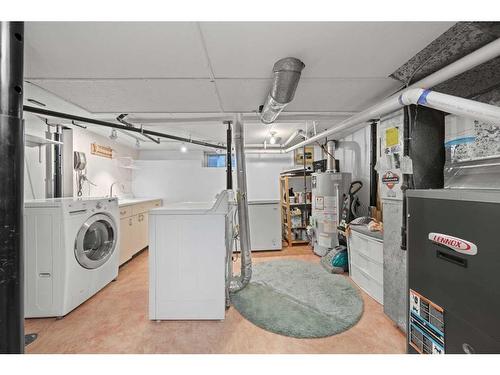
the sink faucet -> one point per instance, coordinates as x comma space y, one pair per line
111, 189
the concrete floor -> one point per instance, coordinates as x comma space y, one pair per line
116, 321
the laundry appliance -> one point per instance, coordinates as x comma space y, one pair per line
71, 252
190, 258
453, 302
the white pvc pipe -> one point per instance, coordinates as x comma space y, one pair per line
478, 57
452, 104
387, 106
392, 103
292, 137
264, 151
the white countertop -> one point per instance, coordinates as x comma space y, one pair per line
122, 202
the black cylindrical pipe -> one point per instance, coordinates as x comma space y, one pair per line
373, 162
67, 116
11, 188
229, 157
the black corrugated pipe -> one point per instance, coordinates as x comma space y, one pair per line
67, 116
373, 162
406, 178
11, 188
229, 157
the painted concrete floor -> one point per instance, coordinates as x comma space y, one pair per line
116, 321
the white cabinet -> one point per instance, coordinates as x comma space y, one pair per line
126, 239
366, 263
134, 228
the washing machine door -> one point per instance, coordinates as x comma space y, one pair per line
96, 241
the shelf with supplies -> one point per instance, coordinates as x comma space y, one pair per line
295, 191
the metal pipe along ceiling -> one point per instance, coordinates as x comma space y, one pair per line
67, 116
392, 103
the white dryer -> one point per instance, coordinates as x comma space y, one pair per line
71, 252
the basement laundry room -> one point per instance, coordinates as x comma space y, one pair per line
200, 187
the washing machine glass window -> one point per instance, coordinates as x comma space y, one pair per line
96, 241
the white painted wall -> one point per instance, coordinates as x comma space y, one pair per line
177, 177
353, 153
101, 171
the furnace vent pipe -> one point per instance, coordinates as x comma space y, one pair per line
286, 78
330, 158
239, 282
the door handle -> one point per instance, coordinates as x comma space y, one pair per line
452, 258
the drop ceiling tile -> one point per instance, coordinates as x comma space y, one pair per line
136, 95
114, 50
244, 95
329, 49
340, 94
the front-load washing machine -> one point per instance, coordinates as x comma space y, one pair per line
71, 252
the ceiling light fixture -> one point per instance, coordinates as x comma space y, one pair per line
272, 140
184, 148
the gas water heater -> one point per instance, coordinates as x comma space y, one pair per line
328, 189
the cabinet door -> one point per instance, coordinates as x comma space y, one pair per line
126, 239
141, 232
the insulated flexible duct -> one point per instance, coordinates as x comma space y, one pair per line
286, 78
239, 282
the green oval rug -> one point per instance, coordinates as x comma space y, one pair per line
299, 299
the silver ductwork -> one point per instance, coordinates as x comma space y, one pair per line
286, 78
330, 156
239, 282
59, 162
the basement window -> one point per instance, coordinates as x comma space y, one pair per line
215, 160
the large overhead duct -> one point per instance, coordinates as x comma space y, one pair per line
286, 78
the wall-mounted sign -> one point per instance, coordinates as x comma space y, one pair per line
104, 151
